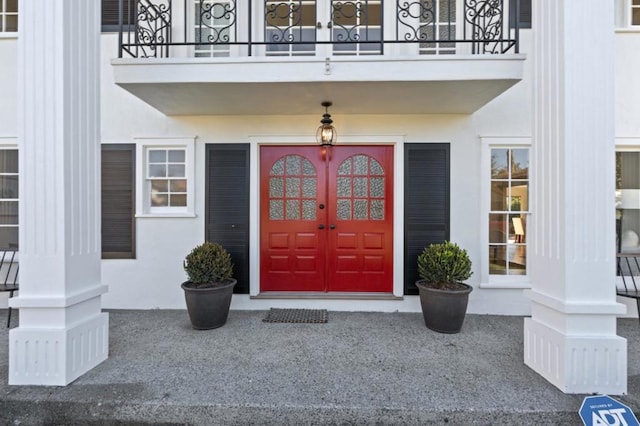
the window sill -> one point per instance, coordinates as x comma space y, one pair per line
521, 283
630, 30
166, 215
8, 35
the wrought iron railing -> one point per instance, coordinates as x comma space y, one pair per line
217, 28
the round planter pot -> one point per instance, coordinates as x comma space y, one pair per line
443, 310
208, 307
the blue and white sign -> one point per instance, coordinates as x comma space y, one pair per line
602, 410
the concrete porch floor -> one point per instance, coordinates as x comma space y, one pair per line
359, 368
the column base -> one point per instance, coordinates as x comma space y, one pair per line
576, 364
57, 356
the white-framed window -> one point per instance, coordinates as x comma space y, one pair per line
165, 177
506, 200
9, 201
634, 13
8, 16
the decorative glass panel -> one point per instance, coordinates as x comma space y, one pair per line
293, 165
360, 165
293, 210
276, 187
376, 168
307, 168
360, 187
344, 210
309, 189
356, 184
344, 187
293, 187
345, 167
377, 210
308, 209
360, 210
276, 210
278, 168
377, 187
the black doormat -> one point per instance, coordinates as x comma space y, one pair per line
300, 316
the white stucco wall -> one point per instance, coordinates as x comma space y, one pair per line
152, 280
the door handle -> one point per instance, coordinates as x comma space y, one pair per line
319, 25
329, 25
332, 226
321, 226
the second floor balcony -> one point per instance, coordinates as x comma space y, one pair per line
440, 56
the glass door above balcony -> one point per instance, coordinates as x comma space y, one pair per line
305, 27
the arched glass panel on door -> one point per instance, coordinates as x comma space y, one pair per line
293, 189
360, 189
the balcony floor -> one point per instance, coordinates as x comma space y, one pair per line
459, 84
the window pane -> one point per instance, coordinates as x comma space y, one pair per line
12, 6
499, 196
309, 187
499, 163
344, 209
12, 24
360, 187
177, 170
519, 197
9, 212
9, 237
160, 186
293, 187
276, 210
360, 209
308, 210
497, 228
8, 186
159, 200
8, 160
497, 263
293, 165
177, 156
157, 156
178, 185
276, 187
178, 200
293, 210
157, 170
278, 168
520, 164
344, 187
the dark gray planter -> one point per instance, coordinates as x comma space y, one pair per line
208, 307
443, 310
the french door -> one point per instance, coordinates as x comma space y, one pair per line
355, 26
326, 218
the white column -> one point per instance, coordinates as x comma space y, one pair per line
571, 337
62, 332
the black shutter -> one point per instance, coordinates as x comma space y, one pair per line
227, 205
525, 16
111, 14
426, 204
118, 201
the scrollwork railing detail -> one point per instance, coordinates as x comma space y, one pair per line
210, 15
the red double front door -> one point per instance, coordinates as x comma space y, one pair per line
326, 218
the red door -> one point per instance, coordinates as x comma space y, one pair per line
326, 218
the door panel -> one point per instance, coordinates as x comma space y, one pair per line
326, 219
291, 244
360, 246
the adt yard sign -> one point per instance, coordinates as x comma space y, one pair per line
602, 410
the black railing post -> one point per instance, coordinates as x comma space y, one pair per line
120, 27
249, 38
517, 27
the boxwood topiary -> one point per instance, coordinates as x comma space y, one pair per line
444, 265
208, 265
